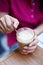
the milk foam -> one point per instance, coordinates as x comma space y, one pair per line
24, 36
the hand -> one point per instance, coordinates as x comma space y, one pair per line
30, 48
8, 24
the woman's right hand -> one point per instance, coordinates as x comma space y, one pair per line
8, 24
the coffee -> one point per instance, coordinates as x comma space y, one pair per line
25, 36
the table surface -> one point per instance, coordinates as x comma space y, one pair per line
15, 58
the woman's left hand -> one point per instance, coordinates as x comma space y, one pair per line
30, 48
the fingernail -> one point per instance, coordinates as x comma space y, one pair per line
24, 50
25, 47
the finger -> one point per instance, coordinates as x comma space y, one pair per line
9, 24
33, 43
24, 52
25, 47
4, 23
8, 21
28, 51
15, 22
29, 48
31, 51
2, 28
33, 47
10, 29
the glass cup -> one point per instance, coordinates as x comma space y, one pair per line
25, 36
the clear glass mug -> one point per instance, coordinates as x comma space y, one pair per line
21, 43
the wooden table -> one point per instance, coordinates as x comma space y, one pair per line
15, 58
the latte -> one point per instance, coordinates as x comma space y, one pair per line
25, 36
